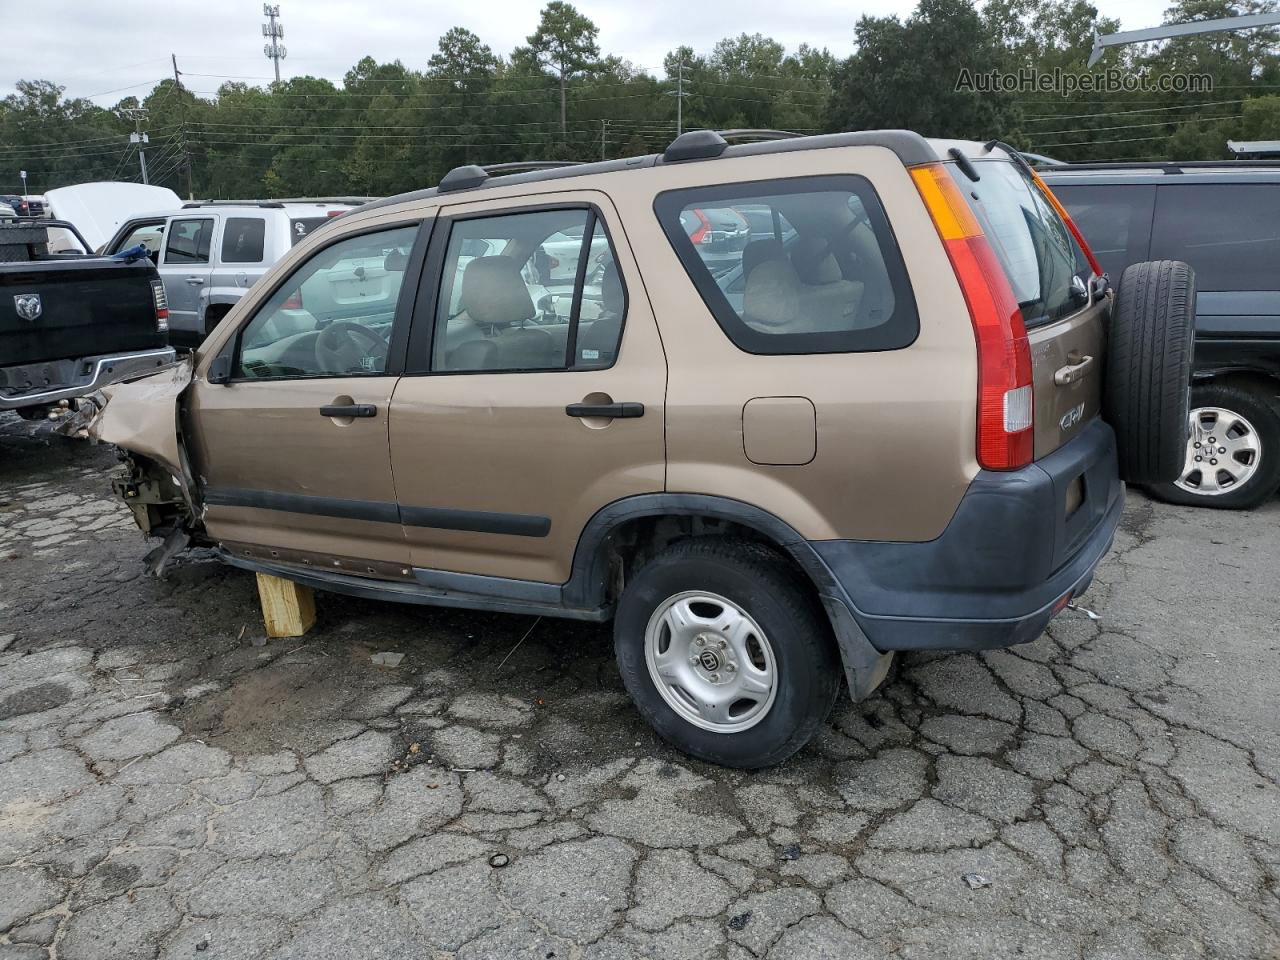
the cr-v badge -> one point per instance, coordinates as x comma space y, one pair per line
1072, 417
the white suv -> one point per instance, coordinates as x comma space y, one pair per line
210, 252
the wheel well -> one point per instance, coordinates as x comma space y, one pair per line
1243, 379
634, 542
213, 315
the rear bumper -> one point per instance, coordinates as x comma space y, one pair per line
77, 377
999, 572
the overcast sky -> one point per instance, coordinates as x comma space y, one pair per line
111, 50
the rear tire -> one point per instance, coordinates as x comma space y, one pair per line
754, 626
1148, 375
1248, 469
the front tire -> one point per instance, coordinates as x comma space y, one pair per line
1233, 452
726, 653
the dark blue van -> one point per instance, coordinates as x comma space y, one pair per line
1223, 218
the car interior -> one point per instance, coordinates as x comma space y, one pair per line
821, 271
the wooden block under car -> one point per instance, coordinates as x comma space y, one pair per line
288, 608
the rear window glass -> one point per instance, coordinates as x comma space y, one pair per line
301, 228
242, 239
1029, 238
1228, 232
802, 265
1115, 219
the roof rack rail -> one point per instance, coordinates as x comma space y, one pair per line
759, 134
269, 204
1171, 166
706, 144
472, 175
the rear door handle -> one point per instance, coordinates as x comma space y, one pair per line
1072, 371
195, 281
611, 411
349, 410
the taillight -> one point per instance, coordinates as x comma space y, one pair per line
293, 301
1005, 414
703, 233
162, 306
1071, 224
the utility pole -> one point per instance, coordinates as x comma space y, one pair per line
604, 126
678, 93
140, 138
186, 152
274, 32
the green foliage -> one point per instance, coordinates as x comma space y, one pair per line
397, 126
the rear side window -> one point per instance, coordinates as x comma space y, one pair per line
242, 239
1029, 238
1229, 233
536, 290
188, 241
1115, 219
301, 228
794, 266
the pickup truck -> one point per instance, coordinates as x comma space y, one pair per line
70, 324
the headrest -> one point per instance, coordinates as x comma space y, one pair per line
493, 292
811, 266
772, 295
758, 251
395, 261
612, 299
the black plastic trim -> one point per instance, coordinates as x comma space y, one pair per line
382, 511
377, 511
476, 521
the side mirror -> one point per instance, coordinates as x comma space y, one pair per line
220, 369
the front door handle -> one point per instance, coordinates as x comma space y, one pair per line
195, 281
349, 410
610, 411
1072, 372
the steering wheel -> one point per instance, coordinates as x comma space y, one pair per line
346, 347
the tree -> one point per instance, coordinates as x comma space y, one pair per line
904, 75
565, 44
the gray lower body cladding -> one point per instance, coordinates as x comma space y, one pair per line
1011, 552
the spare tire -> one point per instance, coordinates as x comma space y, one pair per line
1147, 390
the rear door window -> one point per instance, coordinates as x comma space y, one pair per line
1029, 238
794, 266
1228, 232
189, 241
300, 228
242, 239
1114, 218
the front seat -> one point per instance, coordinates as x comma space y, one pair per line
598, 344
497, 302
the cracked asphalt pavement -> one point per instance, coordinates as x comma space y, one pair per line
172, 787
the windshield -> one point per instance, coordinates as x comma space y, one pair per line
1033, 244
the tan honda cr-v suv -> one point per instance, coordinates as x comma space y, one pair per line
778, 409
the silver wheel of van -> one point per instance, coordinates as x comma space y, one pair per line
1223, 452
711, 662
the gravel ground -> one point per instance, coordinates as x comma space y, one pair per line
170, 788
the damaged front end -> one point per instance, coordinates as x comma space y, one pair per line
143, 420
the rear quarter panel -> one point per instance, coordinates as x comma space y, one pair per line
894, 429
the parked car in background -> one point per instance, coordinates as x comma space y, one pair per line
70, 324
35, 205
19, 205
210, 252
1223, 218
894, 439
